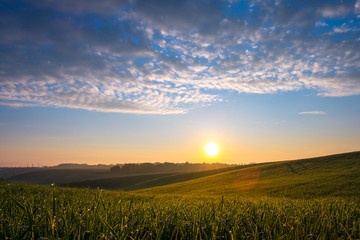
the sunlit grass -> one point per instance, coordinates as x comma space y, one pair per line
329, 176
51, 212
306, 199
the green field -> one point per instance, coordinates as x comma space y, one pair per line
129, 183
305, 199
336, 175
59, 176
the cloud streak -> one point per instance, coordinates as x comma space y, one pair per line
168, 57
312, 113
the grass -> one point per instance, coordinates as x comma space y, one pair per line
80, 175
336, 175
129, 183
306, 199
59, 176
34, 212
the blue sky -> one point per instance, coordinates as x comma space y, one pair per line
148, 79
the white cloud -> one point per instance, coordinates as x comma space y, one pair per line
342, 29
335, 10
313, 113
321, 24
168, 57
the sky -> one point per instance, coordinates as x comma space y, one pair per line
118, 81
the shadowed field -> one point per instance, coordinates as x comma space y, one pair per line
129, 183
58, 176
74, 174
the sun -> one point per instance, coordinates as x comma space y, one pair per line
211, 149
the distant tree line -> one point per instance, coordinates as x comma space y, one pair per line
134, 168
78, 165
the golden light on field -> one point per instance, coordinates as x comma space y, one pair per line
211, 149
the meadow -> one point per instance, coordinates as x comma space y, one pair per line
49, 212
320, 204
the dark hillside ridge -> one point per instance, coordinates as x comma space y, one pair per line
58, 176
67, 173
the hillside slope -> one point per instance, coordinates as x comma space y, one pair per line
68, 173
335, 175
128, 183
58, 176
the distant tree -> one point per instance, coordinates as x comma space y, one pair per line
115, 169
137, 168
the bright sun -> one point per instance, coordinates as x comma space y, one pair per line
211, 149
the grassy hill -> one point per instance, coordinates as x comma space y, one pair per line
263, 201
58, 176
335, 175
128, 183
68, 173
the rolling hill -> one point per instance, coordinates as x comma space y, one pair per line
68, 173
135, 182
334, 175
58, 176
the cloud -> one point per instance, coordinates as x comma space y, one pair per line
357, 6
313, 113
158, 56
107, 7
333, 11
321, 24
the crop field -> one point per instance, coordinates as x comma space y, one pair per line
50, 212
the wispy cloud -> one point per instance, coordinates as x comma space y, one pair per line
312, 113
321, 24
161, 56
